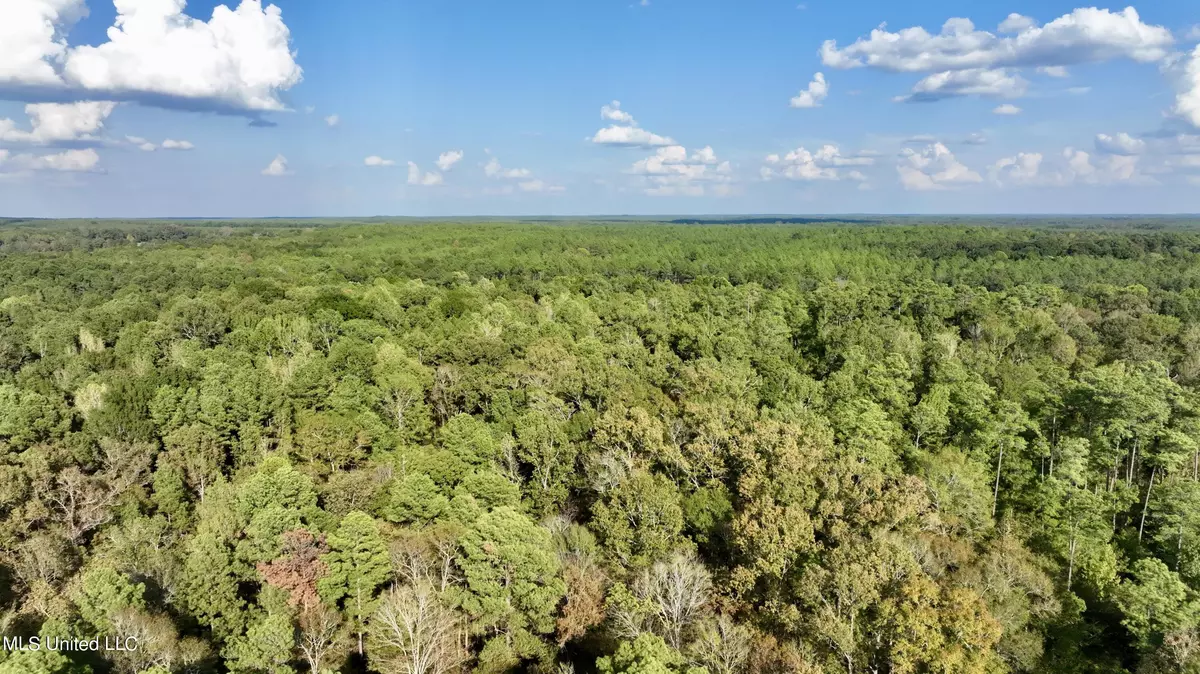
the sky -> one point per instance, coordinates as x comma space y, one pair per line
161, 108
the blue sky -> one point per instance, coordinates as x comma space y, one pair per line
1104, 108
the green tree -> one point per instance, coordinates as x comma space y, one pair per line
358, 564
1154, 601
511, 575
648, 654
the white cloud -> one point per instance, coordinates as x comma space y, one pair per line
975, 139
141, 143
614, 113
32, 39
58, 122
1104, 171
493, 169
824, 164
1054, 71
238, 60
1079, 91
1022, 169
277, 167
817, 91
375, 160
1122, 144
998, 83
333, 120
1187, 102
1015, 23
671, 171
1072, 167
626, 133
1193, 33
630, 136
539, 186
416, 177
1007, 109
934, 168
1086, 35
447, 160
72, 161
168, 144
528, 183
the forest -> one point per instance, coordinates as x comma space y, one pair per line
410, 447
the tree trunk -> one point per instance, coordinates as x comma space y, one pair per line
1179, 546
1071, 563
996, 492
1146, 506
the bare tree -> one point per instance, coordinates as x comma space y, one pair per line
677, 590
84, 502
722, 646
158, 643
320, 632
427, 557
416, 633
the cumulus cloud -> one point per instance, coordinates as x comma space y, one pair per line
141, 143
493, 169
1071, 167
998, 83
824, 164
447, 160
1086, 35
626, 132
1007, 109
277, 167
375, 160
934, 168
237, 61
1103, 171
426, 179
671, 171
58, 122
71, 161
1122, 144
1054, 71
333, 120
33, 42
168, 144
1015, 23
528, 183
1187, 101
539, 186
1022, 169
630, 136
614, 113
817, 91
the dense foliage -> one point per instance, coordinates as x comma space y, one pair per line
614, 448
